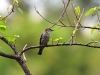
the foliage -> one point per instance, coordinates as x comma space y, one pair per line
56, 60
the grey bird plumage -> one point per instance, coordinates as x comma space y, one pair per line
44, 39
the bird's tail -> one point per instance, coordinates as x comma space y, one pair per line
40, 51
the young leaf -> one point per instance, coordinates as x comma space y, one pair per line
75, 31
92, 30
4, 20
16, 35
98, 7
77, 9
9, 8
90, 11
60, 38
73, 5
15, 2
20, 10
56, 39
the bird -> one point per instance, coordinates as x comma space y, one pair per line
44, 39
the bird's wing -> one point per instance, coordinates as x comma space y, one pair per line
40, 40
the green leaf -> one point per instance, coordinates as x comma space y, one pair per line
92, 30
2, 27
60, 38
10, 38
77, 9
16, 35
56, 39
1, 22
20, 10
91, 11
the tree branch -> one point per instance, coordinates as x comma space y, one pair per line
97, 28
7, 42
60, 44
8, 55
23, 66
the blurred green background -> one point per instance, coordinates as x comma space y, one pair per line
69, 60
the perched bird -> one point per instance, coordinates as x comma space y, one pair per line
44, 39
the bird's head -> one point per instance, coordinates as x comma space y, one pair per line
49, 30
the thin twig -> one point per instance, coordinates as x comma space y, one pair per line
76, 26
84, 27
52, 41
42, 16
62, 23
68, 19
79, 19
9, 13
63, 2
24, 57
75, 14
61, 14
98, 17
66, 12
